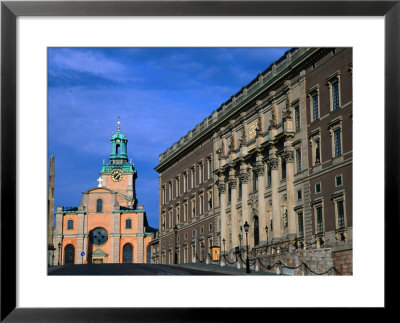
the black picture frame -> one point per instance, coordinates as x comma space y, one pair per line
10, 10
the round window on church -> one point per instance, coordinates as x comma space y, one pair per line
98, 236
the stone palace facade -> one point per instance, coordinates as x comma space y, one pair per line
277, 155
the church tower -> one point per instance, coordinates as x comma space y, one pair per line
119, 174
108, 226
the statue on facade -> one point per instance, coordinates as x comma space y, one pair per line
288, 112
232, 145
272, 121
317, 153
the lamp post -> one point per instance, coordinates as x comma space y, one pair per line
176, 255
59, 252
223, 241
240, 245
266, 230
246, 229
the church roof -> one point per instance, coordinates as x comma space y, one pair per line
119, 135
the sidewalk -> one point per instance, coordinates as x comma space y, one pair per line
226, 270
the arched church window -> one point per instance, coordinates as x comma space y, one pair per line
99, 205
128, 224
70, 224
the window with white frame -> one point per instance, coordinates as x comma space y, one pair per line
169, 219
185, 212
163, 194
201, 167
185, 182
178, 187
201, 204
337, 142
193, 177
334, 90
335, 128
210, 204
209, 162
170, 191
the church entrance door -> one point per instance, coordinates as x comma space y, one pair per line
128, 254
69, 255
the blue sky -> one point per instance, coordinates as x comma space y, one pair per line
159, 93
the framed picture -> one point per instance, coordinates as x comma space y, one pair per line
236, 21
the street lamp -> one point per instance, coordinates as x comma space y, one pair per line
176, 254
246, 229
223, 241
240, 244
59, 252
266, 230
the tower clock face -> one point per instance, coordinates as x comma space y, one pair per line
116, 175
98, 236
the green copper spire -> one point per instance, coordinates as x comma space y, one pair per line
119, 141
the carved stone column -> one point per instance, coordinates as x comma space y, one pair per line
276, 221
244, 180
262, 214
288, 157
234, 217
222, 192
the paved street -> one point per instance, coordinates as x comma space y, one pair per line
146, 270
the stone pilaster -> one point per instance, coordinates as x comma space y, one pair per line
276, 221
244, 180
115, 237
262, 214
234, 216
140, 239
224, 225
288, 156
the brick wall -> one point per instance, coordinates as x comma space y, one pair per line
343, 261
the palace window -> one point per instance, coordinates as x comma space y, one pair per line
99, 206
193, 173
320, 226
163, 195
128, 224
169, 219
202, 230
338, 144
335, 96
70, 225
315, 109
283, 168
300, 224
317, 188
340, 214
209, 161
255, 180
210, 227
210, 205
201, 204
169, 191
178, 187
297, 117
201, 173
334, 89
298, 160
269, 178
299, 193
338, 180
185, 182
177, 214
194, 233
185, 212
